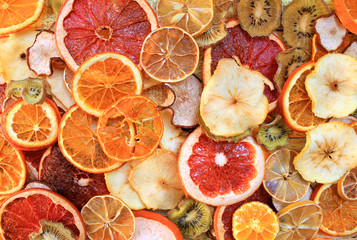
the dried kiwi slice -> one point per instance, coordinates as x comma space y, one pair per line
298, 22
259, 17
288, 61
192, 218
32, 90
52, 230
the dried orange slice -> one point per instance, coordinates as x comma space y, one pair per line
17, 15
31, 126
347, 185
255, 220
13, 169
131, 129
339, 215
78, 141
85, 28
347, 13
281, 179
299, 221
102, 80
295, 103
107, 217
169, 54
195, 17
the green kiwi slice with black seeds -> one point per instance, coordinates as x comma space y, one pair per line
52, 230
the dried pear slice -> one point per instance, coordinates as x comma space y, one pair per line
298, 21
330, 31
259, 17
330, 151
233, 100
352, 49
332, 86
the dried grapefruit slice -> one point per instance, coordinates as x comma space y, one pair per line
169, 54
104, 78
339, 215
295, 103
78, 141
347, 185
107, 217
85, 28
220, 173
22, 214
131, 129
31, 126
17, 15
13, 169
299, 221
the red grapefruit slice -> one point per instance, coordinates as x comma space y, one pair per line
220, 173
20, 214
256, 53
85, 28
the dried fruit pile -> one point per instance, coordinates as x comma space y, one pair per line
178, 119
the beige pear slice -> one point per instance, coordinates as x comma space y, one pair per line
233, 99
330, 151
332, 86
352, 49
157, 180
118, 185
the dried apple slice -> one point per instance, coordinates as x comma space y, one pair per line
351, 49
161, 94
173, 136
187, 103
332, 86
330, 151
41, 54
118, 185
330, 31
233, 99
157, 181
68, 75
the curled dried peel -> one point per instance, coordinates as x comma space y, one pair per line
332, 86
330, 151
233, 100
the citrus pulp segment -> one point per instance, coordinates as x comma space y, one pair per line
220, 173
85, 28
346, 11
195, 17
169, 54
31, 126
78, 141
21, 213
107, 217
347, 185
102, 80
131, 129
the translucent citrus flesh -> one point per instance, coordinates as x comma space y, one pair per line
16, 11
12, 168
192, 16
79, 142
107, 217
352, 7
281, 179
169, 54
130, 130
299, 221
255, 220
347, 185
339, 215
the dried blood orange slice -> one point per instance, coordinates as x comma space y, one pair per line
26, 211
256, 53
131, 129
102, 80
85, 28
220, 173
12, 168
224, 214
78, 141
72, 183
31, 126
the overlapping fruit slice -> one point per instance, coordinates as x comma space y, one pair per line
102, 80
347, 12
78, 141
220, 173
39, 212
339, 215
347, 185
85, 28
31, 126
